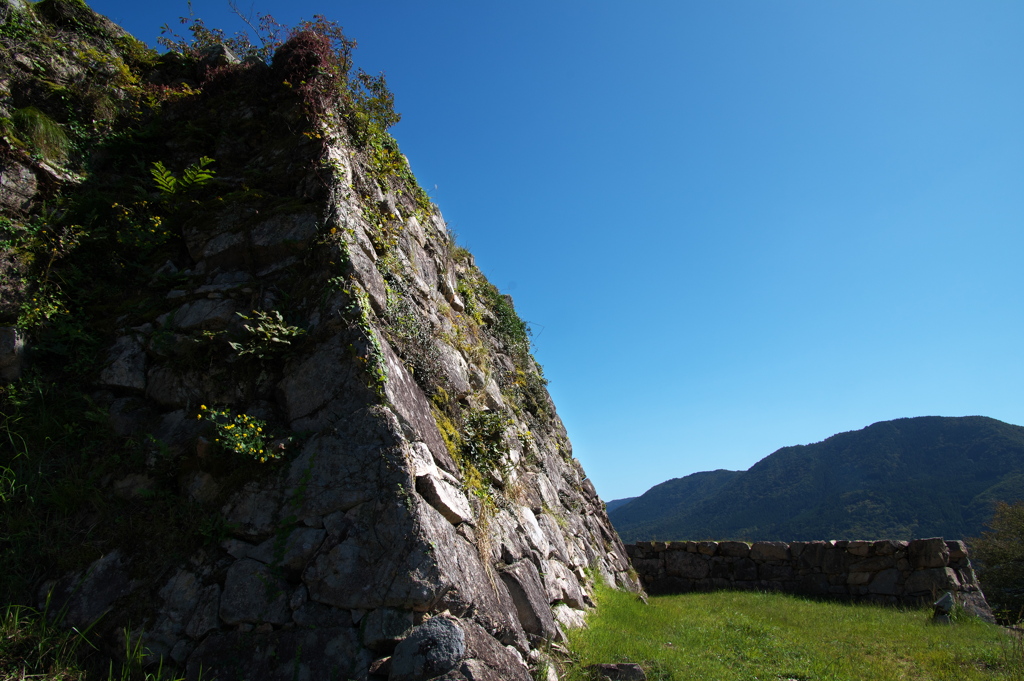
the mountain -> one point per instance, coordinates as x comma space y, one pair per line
900, 479
615, 503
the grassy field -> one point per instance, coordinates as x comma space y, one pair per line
746, 636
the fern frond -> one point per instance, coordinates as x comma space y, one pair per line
165, 181
197, 174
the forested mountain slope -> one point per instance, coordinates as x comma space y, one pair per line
913, 477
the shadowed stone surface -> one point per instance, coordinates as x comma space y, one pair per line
433, 648
879, 571
279, 656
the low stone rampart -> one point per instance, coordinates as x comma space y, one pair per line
893, 572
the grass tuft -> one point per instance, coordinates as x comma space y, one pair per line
31, 647
45, 135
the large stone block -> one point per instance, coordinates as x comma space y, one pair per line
254, 594
888, 547
486, 659
686, 565
769, 550
126, 365
449, 500
812, 555
814, 584
931, 581
561, 584
928, 553
530, 599
859, 548
329, 653
707, 548
84, 597
733, 549
291, 552
859, 578
413, 409
382, 628
957, 549
873, 564
886, 582
775, 573
836, 560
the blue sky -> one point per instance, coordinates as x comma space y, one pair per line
734, 225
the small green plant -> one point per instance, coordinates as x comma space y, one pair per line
483, 443
196, 175
239, 433
268, 335
359, 315
9, 486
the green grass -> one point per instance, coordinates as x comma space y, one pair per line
746, 635
33, 648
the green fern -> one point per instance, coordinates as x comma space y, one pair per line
165, 181
196, 175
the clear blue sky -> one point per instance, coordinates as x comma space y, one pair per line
734, 225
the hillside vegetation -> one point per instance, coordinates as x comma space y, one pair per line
901, 479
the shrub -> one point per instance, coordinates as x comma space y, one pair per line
1000, 555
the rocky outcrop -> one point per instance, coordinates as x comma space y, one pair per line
332, 385
891, 572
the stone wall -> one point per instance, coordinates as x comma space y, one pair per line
415, 484
886, 571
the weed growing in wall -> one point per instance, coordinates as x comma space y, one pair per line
240, 433
483, 443
268, 335
358, 311
195, 175
411, 336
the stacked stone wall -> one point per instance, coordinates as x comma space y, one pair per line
888, 571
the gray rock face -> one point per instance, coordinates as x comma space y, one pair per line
18, 186
126, 367
330, 653
532, 605
486, 660
253, 594
12, 353
383, 628
433, 648
85, 597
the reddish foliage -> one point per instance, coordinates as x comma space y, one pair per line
303, 57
